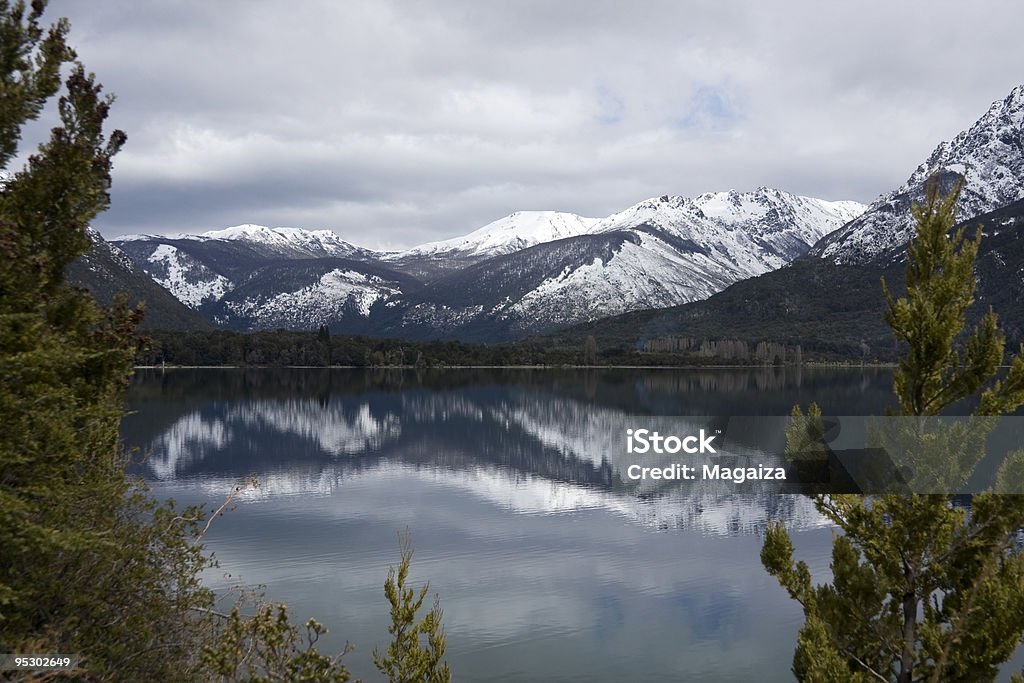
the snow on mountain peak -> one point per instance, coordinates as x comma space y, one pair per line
711, 216
516, 231
980, 153
317, 240
312, 243
989, 156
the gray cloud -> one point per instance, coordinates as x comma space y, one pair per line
398, 122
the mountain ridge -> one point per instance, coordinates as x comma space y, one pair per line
535, 272
988, 156
501, 281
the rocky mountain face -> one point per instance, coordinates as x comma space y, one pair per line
106, 271
527, 273
989, 156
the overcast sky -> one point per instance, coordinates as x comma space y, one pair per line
395, 123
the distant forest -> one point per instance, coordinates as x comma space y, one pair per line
321, 349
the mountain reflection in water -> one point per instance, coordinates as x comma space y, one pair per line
551, 564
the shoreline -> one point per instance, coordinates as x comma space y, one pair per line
517, 367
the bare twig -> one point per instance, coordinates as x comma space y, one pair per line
214, 612
251, 481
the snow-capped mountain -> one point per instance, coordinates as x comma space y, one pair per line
202, 269
661, 252
286, 242
106, 271
989, 156
747, 233
517, 231
306, 293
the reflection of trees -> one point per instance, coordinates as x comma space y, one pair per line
641, 391
758, 379
858, 389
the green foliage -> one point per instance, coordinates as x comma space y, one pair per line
29, 69
63, 366
923, 589
804, 435
323, 349
91, 564
936, 372
417, 647
1010, 478
267, 647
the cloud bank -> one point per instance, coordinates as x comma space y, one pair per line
394, 123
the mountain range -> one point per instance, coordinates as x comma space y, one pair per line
538, 272
531, 272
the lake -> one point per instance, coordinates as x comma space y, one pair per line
550, 563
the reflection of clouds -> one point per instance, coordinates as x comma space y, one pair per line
550, 571
513, 614
522, 519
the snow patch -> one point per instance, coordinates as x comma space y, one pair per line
520, 230
189, 281
336, 293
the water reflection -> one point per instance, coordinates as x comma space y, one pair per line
550, 563
536, 442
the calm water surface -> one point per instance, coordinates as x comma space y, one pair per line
550, 563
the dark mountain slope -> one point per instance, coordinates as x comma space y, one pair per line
306, 293
106, 272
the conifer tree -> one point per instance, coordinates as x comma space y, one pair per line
923, 589
408, 658
90, 565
